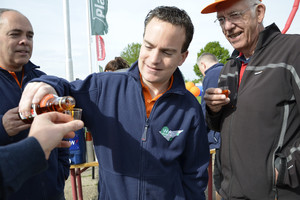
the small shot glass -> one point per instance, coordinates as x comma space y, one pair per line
225, 90
75, 113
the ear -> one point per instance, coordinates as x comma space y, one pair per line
183, 57
260, 12
204, 65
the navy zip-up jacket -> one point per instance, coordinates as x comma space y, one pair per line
211, 81
49, 184
164, 156
13, 170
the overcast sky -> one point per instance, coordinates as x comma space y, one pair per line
125, 20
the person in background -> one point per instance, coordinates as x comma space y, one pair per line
259, 121
28, 157
16, 70
117, 64
148, 130
210, 68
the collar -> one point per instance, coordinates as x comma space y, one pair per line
178, 85
243, 59
15, 76
213, 67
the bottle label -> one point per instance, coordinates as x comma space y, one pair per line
43, 102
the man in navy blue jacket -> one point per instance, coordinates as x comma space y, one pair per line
211, 68
148, 130
46, 133
16, 43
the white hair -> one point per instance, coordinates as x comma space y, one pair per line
251, 4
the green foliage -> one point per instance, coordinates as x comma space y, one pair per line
131, 52
214, 48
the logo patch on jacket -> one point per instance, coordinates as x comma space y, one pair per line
168, 134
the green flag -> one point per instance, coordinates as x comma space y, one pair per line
98, 12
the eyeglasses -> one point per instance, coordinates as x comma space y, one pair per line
234, 17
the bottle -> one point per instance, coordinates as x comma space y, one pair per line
78, 148
89, 147
49, 103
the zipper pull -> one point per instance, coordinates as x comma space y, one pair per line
144, 136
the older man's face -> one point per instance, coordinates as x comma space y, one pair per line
240, 26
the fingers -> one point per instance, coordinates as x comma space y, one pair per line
64, 123
12, 123
32, 94
64, 144
49, 129
215, 99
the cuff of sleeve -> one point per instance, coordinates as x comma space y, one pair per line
211, 113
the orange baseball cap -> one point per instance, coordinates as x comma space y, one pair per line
212, 7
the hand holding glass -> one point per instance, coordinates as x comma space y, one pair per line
225, 90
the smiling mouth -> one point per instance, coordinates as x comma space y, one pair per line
152, 69
23, 52
233, 36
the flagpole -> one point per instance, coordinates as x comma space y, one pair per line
69, 62
89, 36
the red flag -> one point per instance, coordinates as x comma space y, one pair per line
292, 15
100, 48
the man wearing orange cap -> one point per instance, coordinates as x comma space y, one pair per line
260, 120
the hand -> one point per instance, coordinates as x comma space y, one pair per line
214, 99
12, 123
50, 128
32, 94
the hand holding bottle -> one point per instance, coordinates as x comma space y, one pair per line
48, 103
33, 94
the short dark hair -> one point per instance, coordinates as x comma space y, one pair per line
176, 17
209, 56
116, 64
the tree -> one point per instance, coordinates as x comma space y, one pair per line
214, 48
131, 52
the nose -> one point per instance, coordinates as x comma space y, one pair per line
155, 56
24, 40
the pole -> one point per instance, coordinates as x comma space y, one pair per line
69, 62
89, 35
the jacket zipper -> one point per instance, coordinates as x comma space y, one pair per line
144, 136
144, 139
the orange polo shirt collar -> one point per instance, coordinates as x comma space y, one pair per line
149, 102
15, 76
